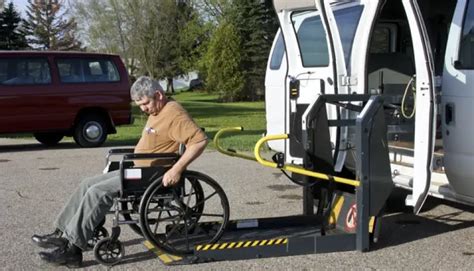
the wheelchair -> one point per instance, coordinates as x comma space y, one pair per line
174, 219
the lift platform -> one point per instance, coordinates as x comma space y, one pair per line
278, 236
349, 221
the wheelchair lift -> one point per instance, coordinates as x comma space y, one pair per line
347, 220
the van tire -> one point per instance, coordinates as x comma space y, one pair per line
48, 139
90, 131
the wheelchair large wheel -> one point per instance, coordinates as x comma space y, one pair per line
192, 187
177, 219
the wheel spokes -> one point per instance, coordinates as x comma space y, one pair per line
176, 212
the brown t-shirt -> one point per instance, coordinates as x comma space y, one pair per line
164, 132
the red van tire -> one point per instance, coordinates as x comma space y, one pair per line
90, 131
48, 139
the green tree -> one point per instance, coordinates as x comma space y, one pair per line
48, 28
11, 36
159, 38
223, 63
105, 26
167, 38
256, 24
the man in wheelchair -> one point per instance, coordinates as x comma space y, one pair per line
168, 126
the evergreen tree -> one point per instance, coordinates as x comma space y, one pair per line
256, 24
223, 62
11, 36
48, 28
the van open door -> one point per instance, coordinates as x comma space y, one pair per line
310, 70
318, 37
275, 98
425, 118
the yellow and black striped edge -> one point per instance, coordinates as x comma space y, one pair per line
242, 244
163, 256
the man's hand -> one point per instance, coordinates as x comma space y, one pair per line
171, 177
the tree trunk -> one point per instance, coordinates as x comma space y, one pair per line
169, 87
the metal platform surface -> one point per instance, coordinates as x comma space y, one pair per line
266, 237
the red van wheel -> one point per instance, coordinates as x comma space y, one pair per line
48, 139
90, 131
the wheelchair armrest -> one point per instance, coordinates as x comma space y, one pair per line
121, 151
115, 152
144, 156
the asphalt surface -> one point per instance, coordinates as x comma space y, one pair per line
36, 181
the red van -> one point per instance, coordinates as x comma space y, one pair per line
57, 94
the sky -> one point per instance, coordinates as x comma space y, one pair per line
20, 5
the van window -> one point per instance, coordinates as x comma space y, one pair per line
76, 70
312, 42
466, 51
14, 71
312, 37
278, 52
380, 41
347, 21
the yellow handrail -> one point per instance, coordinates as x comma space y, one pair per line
296, 169
229, 151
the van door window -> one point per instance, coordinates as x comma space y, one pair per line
312, 37
466, 51
347, 21
312, 42
87, 71
278, 52
70, 70
24, 71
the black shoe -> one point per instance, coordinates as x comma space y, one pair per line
50, 240
69, 255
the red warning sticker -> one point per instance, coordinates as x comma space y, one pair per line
351, 218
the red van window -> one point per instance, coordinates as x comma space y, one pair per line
76, 70
26, 71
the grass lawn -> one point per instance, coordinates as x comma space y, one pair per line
209, 114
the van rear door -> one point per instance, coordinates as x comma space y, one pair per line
275, 98
316, 61
348, 26
425, 128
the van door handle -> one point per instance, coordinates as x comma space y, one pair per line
449, 114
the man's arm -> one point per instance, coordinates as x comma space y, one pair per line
192, 152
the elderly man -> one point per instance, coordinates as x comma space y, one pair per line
168, 125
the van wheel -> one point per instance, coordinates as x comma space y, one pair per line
90, 131
48, 139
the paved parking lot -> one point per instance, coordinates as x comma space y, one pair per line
36, 181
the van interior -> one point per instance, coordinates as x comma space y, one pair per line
391, 66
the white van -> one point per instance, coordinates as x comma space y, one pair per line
419, 55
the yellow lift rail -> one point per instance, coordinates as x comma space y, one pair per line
230, 152
295, 169
262, 161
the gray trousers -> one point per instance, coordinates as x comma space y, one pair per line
87, 207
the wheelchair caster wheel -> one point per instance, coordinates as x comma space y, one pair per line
99, 233
109, 252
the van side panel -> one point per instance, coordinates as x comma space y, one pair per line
54, 106
458, 101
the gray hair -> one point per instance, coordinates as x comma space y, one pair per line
144, 87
